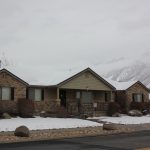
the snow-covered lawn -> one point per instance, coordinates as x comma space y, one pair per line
125, 119
39, 123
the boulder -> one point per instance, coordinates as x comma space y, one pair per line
109, 127
6, 116
135, 113
116, 115
22, 131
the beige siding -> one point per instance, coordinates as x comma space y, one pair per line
86, 81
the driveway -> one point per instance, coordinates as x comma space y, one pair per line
137, 140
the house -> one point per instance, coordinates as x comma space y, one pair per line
84, 92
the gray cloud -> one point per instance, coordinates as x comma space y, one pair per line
62, 34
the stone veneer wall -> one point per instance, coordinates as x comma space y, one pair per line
47, 105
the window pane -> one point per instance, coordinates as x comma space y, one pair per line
6, 93
138, 97
31, 94
38, 94
77, 95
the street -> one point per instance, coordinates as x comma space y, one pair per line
137, 140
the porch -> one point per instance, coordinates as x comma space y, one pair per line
90, 102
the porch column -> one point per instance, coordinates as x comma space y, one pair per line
58, 99
111, 96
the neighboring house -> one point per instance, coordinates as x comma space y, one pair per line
85, 92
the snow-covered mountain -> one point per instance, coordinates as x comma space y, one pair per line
137, 70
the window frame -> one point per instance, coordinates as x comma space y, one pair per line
11, 94
135, 97
34, 92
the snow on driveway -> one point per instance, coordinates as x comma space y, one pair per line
39, 123
125, 119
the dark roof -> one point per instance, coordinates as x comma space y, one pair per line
14, 76
138, 82
91, 71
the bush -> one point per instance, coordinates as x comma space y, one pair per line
26, 108
6, 116
143, 106
60, 112
113, 108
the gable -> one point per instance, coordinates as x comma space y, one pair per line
7, 77
139, 87
85, 81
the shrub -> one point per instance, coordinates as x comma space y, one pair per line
26, 108
142, 106
113, 108
60, 112
6, 116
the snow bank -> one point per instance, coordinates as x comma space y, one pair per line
39, 123
125, 119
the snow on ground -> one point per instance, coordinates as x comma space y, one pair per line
39, 123
125, 119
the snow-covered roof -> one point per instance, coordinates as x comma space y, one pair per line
120, 85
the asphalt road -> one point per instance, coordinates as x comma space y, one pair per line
110, 142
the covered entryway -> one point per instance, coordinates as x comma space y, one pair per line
84, 92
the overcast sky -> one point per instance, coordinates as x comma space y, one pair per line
67, 34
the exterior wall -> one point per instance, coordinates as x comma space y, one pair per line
50, 94
49, 103
9, 81
137, 88
86, 81
19, 93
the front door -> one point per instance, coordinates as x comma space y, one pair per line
62, 96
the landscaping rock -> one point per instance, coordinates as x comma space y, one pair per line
136, 113
22, 131
6, 116
83, 116
116, 115
109, 127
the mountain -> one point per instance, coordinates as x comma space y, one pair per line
137, 70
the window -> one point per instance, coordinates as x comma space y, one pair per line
107, 97
6, 93
138, 97
36, 94
78, 95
